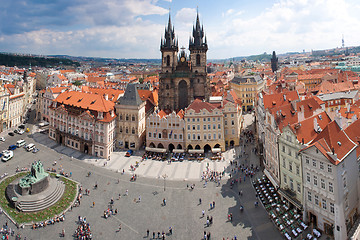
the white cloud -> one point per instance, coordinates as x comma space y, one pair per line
289, 25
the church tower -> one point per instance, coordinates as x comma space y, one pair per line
183, 78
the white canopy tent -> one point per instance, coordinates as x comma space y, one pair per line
178, 150
157, 150
196, 150
216, 150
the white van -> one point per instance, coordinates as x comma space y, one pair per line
30, 147
20, 143
7, 156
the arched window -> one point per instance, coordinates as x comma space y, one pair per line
133, 118
168, 60
127, 117
197, 59
133, 130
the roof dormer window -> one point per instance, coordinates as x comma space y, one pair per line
100, 115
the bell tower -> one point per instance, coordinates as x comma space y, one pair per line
169, 49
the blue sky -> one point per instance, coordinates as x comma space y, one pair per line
133, 28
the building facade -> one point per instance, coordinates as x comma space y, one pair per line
165, 131
131, 129
83, 121
247, 88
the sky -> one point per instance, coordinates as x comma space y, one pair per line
133, 28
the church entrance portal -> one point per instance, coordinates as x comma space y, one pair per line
182, 94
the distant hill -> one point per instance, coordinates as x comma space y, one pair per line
12, 60
110, 60
261, 57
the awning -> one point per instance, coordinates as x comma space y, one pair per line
295, 202
216, 150
196, 150
178, 150
157, 150
272, 180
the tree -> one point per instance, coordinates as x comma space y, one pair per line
77, 83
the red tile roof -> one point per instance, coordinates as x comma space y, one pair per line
85, 101
197, 105
276, 100
333, 139
305, 130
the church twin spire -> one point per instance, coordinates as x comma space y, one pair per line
169, 41
197, 40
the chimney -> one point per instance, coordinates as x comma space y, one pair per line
106, 96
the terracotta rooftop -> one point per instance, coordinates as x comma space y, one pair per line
197, 105
279, 99
85, 101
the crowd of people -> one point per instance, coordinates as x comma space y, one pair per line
83, 231
50, 221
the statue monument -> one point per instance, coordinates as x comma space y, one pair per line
36, 191
36, 181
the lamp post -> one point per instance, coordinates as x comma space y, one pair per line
164, 176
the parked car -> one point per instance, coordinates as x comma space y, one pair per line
30, 147
35, 150
11, 134
2, 139
129, 153
16, 131
7, 156
12, 147
21, 132
22, 126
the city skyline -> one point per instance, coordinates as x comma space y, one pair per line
133, 29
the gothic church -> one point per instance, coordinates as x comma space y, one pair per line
183, 78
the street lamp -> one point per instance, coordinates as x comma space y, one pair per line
164, 176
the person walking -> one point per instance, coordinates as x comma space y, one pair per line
93, 204
119, 227
147, 233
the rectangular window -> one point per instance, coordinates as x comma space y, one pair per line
198, 137
193, 127
308, 179
204, 127
188, 127
175, 136
225, 122
315, 181
290, 166
208, 119
321, 165
322, 183
329, 168
180, 136
189, 136
284, 163
297, 170
209, 136
324, 203
316, 200
332, 208
298, 187
204, 136
219, 126
214, 126
219, 136
309, 196
291, 184
314, 163
283, 148
193, 136
285, 179
307, 160
214, 135
209, 127
331, 188
344, 181
198, 127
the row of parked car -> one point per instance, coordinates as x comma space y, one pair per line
9, 153
21, 130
